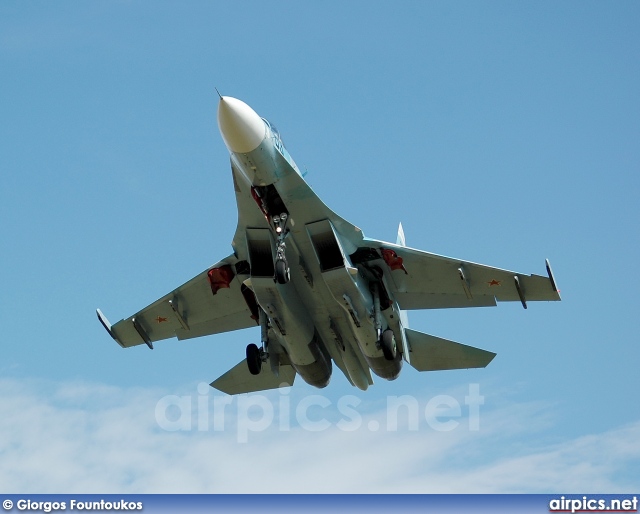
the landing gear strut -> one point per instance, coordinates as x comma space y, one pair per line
256, 356
386, 339
281, 266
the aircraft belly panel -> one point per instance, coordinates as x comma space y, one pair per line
356, 307
288, 317
322, 308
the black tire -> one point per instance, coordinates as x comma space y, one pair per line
282, 271
254, 362
388, 344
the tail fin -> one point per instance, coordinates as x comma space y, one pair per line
400, 241
430, 353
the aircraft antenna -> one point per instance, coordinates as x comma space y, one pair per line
218, 92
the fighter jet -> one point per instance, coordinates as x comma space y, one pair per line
321, 293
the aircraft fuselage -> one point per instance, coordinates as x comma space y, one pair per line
327, 309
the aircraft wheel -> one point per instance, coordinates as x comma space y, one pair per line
282, 272
388, 344
254, 362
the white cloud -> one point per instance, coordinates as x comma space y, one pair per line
90, 438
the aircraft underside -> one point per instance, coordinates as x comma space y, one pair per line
321, 293
314, 306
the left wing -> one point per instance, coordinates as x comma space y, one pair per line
422, 280
214, 301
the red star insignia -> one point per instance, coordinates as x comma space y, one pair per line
160, 319
494, 283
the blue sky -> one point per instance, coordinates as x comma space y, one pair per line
502, 133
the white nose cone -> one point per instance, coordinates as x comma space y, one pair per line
241, 128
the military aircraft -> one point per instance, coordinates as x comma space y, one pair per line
318, 289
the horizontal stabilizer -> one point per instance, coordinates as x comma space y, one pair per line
239, 380
430, 353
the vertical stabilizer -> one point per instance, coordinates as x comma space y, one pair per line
400, 241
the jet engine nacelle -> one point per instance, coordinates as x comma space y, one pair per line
389, 370
318, 373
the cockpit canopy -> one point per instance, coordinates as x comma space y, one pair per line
274, 130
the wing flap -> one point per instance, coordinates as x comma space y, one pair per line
412, 301
220, 324
431, 353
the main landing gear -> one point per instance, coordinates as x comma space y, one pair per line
256, 356
388, 345
386, 338
281, 266
254, 359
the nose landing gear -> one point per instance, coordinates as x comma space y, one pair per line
282, 271
281, 267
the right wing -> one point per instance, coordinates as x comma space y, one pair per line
423, 280
215, 301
